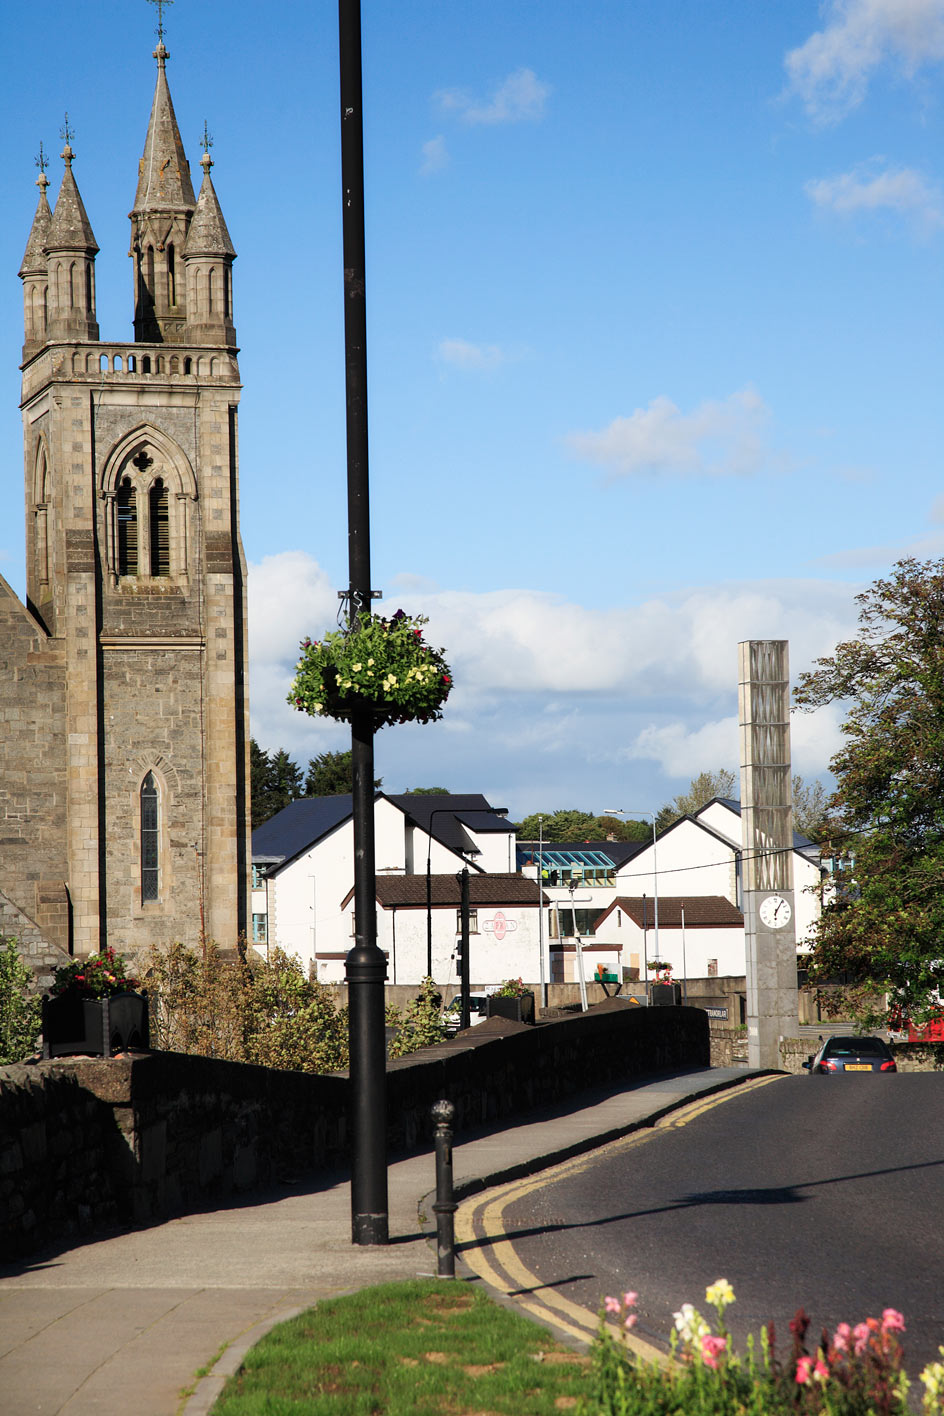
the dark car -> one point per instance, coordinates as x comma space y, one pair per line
851, 1054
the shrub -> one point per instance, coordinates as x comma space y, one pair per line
20, 1011
421, 1024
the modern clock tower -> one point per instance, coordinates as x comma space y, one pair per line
767, 838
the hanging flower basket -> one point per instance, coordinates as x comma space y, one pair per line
379, 665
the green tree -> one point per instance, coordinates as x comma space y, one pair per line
883, 927
260, 766
701, 790
332, 774
810, 809
572, 825
19, 1009
427, 791
275, 781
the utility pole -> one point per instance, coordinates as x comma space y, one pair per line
366, 965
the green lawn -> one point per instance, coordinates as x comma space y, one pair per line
422, 1348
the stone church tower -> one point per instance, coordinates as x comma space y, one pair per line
123, 696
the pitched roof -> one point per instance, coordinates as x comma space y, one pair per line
701, 911
452, 810
560, 853
409, 891
800, 842
296, 828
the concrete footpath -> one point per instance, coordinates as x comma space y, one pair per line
125, 1322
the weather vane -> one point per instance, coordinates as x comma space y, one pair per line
42, 160
207, 139
66, 133
160, 17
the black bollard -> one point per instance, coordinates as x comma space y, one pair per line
443, 1113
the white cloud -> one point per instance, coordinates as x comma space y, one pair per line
462, 354
519, 97
684, 751
435, 156
831, 71
721, 437
901, 190
549, 690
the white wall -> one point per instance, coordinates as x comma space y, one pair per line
401, 933
690, 861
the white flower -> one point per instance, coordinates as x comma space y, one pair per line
690, 1323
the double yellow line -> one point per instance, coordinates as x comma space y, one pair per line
489, 1251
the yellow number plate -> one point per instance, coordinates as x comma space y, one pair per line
858, 1067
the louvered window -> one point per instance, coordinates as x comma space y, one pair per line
126, 510
160, 529
150, 841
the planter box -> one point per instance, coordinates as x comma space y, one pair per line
666, 995
97, 1026
519, 1010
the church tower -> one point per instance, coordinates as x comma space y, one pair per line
124, 676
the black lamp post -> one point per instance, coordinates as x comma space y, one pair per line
366, 965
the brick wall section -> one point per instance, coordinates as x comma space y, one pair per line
167, 1133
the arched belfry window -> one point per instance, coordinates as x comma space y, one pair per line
150, 839
127, 519
159, 519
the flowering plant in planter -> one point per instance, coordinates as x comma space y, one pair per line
381, 665
98, 976
512, 988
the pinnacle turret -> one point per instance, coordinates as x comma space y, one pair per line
70, 228
34, 257
164, 173
70, 261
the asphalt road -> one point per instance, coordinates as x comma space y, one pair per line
826, 1192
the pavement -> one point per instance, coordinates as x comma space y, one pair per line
153, 1320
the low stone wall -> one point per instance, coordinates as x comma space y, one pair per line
86, 1143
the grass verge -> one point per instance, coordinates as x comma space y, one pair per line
422, 1348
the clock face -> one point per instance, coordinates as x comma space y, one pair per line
775, 912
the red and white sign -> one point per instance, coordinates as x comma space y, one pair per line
499, 925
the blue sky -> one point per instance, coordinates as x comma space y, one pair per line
654, 303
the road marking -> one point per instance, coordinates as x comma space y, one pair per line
489, 1250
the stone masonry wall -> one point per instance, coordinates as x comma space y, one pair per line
33, 867
165, 1133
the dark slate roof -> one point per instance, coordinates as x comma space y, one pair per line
294, 829
410, 891
451, 810
701, 911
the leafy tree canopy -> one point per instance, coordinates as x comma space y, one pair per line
701, 789
573, 825
810, 807
427, 791
332, 774
19, 1006
884, 925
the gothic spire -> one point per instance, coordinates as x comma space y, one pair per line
70, 228
163, 173
34, 257
208, 235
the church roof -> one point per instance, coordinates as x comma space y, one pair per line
34, 257
163, 173
70, 228
208, 235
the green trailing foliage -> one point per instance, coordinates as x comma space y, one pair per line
20, 1009
421, 1024
882, 921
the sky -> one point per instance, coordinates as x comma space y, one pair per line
654, 297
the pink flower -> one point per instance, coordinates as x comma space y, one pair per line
631, 1321
630, 1300
841, 1337
861, 1334
820, 1371
711, 1349
804, 1370
892, 1320
611, 1305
